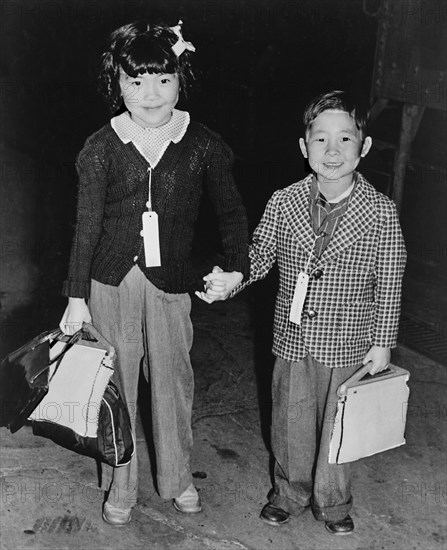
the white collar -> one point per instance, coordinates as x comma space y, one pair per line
151, 142
342, 196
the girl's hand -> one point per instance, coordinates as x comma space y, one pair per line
219, 285
379, 358
76, 313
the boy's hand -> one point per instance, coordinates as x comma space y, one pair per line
379, 359
219, 285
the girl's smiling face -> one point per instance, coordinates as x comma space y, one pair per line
334, 146
150, 98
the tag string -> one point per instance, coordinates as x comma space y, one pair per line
149, 200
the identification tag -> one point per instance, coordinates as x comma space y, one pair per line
299, 296
151, 239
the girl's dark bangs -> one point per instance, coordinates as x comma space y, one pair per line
145, 58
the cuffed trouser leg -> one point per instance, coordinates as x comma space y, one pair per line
303, 413
136, 317
117, 314
169, 336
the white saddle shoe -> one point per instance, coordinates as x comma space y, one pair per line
116, 516
189, 501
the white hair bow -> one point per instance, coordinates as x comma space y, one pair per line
181, 45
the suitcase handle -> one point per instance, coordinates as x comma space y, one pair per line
358, 375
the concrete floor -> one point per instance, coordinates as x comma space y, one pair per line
49, 498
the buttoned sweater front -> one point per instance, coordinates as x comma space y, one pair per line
113, 194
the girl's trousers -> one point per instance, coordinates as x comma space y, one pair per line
143, 322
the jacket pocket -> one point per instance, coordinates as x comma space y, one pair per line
357, 322
281, 317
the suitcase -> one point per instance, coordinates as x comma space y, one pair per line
371, 414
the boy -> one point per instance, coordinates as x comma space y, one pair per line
341, 258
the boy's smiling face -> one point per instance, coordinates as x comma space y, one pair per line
333, 147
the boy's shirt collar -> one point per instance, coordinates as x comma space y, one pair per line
151, 142
325, 216
343, 195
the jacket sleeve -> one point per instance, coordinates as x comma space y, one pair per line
90, 211
391, 259
263, 248
233, 224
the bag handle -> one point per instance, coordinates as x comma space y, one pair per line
93, 331
39, 340
358, 375
69, 344
86, 327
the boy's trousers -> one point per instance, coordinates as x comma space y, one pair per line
142, 321
304, 406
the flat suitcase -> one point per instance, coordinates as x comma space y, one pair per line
371, 414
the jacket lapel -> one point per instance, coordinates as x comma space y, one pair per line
296, 213
355, 223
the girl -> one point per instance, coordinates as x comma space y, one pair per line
140, 181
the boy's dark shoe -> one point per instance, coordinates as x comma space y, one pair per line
342, 527
273, 515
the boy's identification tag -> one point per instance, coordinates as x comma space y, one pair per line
151, 239
296, 309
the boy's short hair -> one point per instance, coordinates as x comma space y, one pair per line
340, 101
139, 48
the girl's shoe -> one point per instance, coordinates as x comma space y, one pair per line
189, 501
116, 516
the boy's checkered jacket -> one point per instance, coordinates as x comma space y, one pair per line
355, 302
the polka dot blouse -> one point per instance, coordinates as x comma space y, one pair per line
151, 142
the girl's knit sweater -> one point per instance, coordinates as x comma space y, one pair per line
113, 192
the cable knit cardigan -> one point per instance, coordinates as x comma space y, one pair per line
113, 191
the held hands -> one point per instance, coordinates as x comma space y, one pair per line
76, 313
219, 284
378, 358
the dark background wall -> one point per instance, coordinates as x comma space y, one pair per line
257, 65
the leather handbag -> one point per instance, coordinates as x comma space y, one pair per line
83, 410
24, 377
